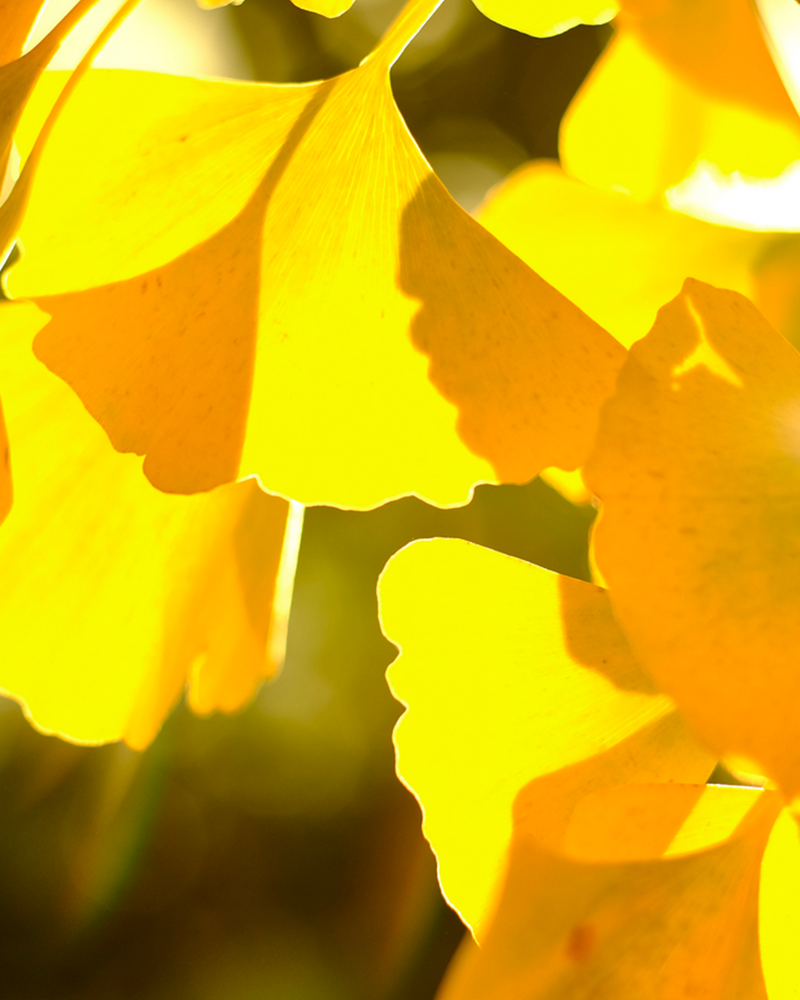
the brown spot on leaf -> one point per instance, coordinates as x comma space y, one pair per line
580, 942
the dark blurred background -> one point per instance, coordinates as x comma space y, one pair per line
273, 854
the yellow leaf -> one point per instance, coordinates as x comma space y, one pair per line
6, 481
17, 81
693, 83
510, 673
547, 17
269, 279
615, 258
328, 8
778, 914
569, 484
18, 18
698, 467
113, 595
632, 923
718, 45
18, 74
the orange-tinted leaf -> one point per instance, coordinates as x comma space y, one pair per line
674, 90
698, 467
630, 918
509, 673
18, 18
717, 45
307, 303
776, 291
780, 20
617, 259
547, 17
114, 596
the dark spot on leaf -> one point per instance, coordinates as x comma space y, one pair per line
580, 942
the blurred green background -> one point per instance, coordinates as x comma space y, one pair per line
273, 854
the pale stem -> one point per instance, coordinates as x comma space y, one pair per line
404, 27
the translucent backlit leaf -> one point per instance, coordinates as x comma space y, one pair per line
113, 596
328, 8
698, 467
6, 481
781, 22
548, 17
778, 913
18, 18
677, 88
306, 302
509, 673
17, 81
631, 921
617, 259
718, 45
18, 74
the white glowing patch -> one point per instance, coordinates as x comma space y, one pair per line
760, 204
162, 36
284, 585
780, 20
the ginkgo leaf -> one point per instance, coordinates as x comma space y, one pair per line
547, 17
18, 74
510, 672
113, 595
17, 81
635, 920
738, 67
269, 279
616, 258
778, 916
328, 8
698, 467
6, 481
691, 82
18, 18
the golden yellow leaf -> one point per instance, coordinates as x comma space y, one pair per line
18, 18
718, 45
113, 595
269, 279
615, 258
692, 82
18, 74
698, 467
635, 920
328, 8
547, 17
569, 484
6, 481
17, 81
776, 291
778, 913
510, 673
